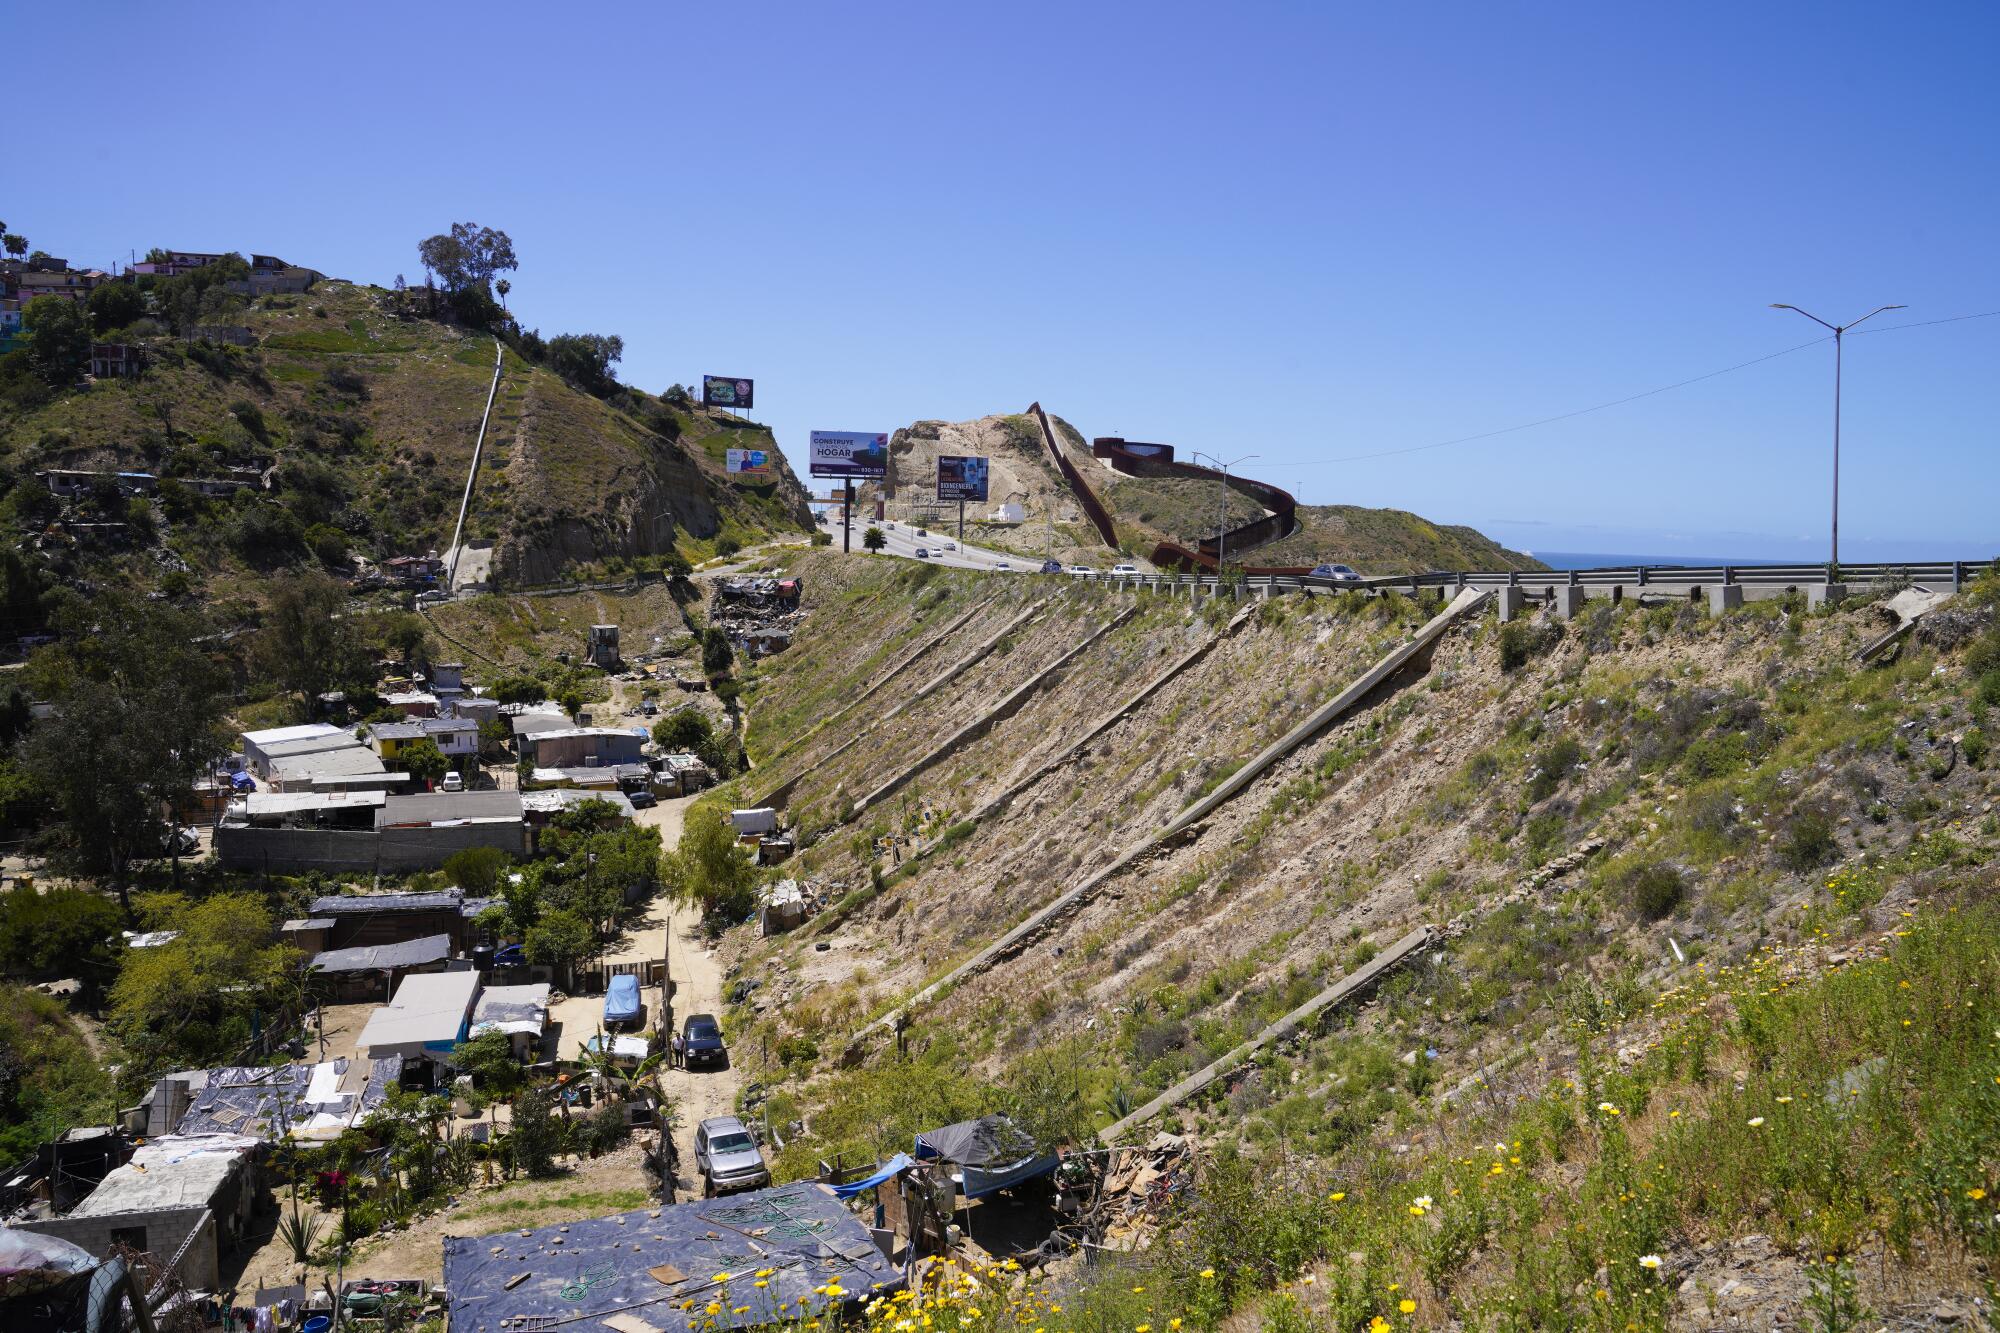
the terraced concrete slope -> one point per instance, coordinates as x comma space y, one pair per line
1628, 862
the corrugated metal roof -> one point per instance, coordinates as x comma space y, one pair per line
385, 957
351, 904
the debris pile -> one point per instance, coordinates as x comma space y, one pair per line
758, 616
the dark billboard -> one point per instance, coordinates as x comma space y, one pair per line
728, 391
961, 478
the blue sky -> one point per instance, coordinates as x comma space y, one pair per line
1307, 231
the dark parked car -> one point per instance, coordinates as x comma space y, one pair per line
701, 1041
642, 799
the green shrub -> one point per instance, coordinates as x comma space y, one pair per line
1716, 756
1552, 766
1654, 891
1989, 688
1975, 746
1808, 841
1521, 643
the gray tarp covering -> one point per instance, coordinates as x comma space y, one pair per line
991, 1153
385, 957
989, 1141
648, 1262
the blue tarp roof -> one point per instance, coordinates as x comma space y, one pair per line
890, 1169
648, 1262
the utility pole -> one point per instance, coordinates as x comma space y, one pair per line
1222, 516
1833, 556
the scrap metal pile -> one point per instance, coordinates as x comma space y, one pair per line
759, 615
1115, 1198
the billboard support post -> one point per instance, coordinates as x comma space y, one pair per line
961, 520
847, 519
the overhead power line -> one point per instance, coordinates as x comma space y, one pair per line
1619, 402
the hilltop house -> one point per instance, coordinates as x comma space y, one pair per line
582, 747
455, 737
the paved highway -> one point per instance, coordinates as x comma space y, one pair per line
904, 541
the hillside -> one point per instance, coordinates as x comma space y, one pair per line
1148, 510
1021, 474
1708, 898
347, 425
1388, 541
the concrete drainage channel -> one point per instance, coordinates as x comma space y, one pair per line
1018, 938
1300, 1019
779, 793
1007, 707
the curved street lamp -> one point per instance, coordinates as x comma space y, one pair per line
1833, 560
1222, 517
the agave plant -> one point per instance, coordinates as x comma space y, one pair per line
299, 1232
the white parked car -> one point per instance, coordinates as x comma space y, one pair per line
1124, 569
452, 782
1081, 569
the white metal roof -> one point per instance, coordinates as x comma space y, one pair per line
169, 1172
428, 1007
293, 802
276, 735
349, 761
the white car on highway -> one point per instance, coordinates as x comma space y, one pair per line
1124, 569
1085, 570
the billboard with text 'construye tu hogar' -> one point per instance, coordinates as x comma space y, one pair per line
728, 391
961, 477
858, 455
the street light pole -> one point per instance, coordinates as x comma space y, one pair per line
1222, 516
1833, 558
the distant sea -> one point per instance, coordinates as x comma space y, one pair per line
1614, 560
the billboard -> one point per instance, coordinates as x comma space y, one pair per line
849, 454
1163, 452
961, 478
754, 463
728, 391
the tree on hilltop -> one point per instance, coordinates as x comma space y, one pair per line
467, 256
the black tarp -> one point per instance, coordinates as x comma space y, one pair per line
989, 1142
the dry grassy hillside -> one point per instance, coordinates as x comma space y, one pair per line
1603, 819
357, 424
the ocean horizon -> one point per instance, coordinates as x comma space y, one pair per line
1616, 560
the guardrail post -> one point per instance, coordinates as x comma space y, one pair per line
1958, 576
1641, 572
1574, 578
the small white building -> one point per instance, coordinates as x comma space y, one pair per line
430, 1014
